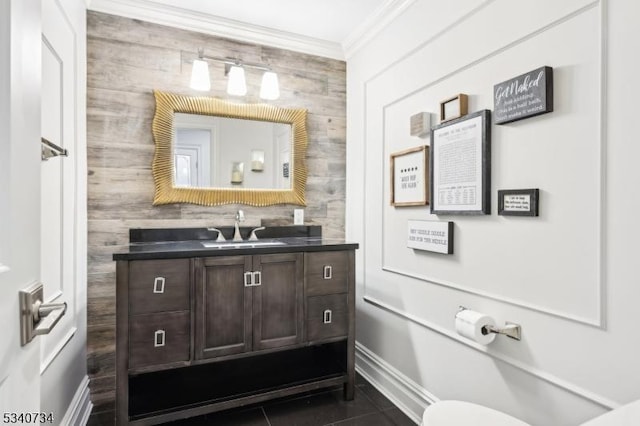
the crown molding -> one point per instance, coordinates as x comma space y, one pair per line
373, 25
149, 11
176, 17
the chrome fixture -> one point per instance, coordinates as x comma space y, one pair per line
235, 70
50, 149
510, 330
37, 318
239, 218
220, 236
253, 236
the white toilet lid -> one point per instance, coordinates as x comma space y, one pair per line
456, 413
627, 415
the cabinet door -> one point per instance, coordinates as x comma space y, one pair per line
278, 300
223, 306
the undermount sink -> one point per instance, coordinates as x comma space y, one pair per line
240, 244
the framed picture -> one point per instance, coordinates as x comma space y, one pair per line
453, 108
518, 202
409, 177
460, 165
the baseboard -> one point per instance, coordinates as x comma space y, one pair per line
406, 394
80, 408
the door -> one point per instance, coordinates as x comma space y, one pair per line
278, 300
20, 47
62, 351
38, 227
223, 306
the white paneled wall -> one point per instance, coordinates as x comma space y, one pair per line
566, 276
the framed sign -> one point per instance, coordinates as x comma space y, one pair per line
460, 167
409, 177
430, 236
518, 202
454, 107
524, 96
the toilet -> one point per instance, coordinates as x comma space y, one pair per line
456, 413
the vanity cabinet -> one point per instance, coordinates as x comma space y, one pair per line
206, 330
248, 303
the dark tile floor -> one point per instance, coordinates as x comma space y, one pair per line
320, 408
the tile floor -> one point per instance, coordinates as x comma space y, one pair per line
320, 408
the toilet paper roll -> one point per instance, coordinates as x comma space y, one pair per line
469, 324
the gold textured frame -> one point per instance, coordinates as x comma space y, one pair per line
167, 104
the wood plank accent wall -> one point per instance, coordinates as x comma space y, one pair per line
129, 58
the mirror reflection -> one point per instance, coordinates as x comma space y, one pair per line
223, 152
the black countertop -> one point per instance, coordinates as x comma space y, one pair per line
174, 248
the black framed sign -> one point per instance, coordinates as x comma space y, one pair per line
524, 96
460, 165
518, 202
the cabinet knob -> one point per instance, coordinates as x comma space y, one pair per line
326, 316
158, 339
326, 272
158, 285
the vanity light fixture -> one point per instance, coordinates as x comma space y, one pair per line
235, 71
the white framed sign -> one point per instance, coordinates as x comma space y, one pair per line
430, 235
409, 177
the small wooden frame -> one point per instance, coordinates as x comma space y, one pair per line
454, 107
518, 202
409, 177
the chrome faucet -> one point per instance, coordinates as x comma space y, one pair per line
239, 218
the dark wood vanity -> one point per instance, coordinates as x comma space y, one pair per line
206, 329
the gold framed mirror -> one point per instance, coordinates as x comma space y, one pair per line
292, 165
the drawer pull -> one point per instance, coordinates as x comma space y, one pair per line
158, 285
326, 316
326, 272
158, 339
257, 278
248, 279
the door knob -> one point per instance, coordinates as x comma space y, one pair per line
37, 318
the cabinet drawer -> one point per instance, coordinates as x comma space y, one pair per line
326, 272
327, 316
158, 285
158, 338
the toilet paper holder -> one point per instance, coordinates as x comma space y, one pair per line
510, 329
